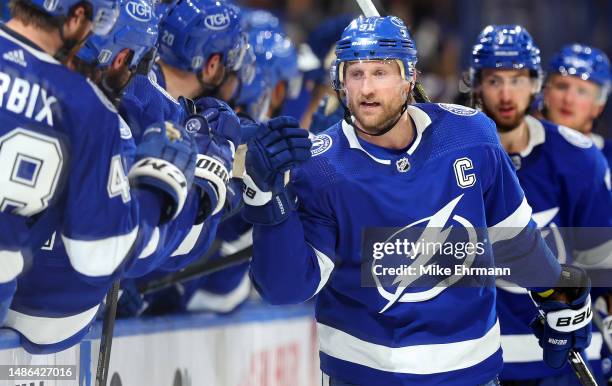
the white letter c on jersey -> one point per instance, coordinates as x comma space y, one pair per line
460, 166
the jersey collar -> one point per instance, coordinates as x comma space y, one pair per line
537, 135
421, 121
26, 44
598, 140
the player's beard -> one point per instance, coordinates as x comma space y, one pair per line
386, 117
505, 125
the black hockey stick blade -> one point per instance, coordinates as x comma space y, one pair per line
106, 338
198, 269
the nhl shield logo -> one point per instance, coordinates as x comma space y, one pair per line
403, 165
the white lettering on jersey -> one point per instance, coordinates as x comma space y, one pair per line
20, 97
118, 183
460, 166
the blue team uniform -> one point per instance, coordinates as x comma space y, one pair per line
603, 144
564, 179
88, 210
368, 335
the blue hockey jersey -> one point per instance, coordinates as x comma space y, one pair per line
68, 170
455, 174
57, 299
564, 179
605, 145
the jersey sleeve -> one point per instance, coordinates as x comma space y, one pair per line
102, 217
516, 241
293, 261
592, 216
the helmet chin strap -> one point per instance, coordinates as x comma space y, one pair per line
348, 117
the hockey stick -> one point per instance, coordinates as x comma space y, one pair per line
106, 338
196, 270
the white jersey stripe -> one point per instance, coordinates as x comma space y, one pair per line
523, 348
189, 241
43, 330
512, 225
421, 359
99, 257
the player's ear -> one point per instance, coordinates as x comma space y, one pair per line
214, 70
122, 58
78, 24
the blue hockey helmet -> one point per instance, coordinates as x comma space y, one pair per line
194, 30
104, 12
505, 47
275, 61
375, 38
584, 62
135, 29
258, 19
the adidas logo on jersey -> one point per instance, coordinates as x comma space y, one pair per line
15, 56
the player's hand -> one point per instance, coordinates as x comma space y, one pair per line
213, 166
220, 118
165, 161
567, 317
277, 146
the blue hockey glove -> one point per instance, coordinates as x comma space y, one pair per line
221, 119
214, 160
278, 146
165, 160
566, 323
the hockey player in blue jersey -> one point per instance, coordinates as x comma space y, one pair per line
22, 200
200, 42
51, 191
118, 220
563, 176
396, 164
575, 93
261, 95
576, 90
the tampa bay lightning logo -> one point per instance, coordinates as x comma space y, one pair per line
437, 230
193, 125
320, 144
458, 109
